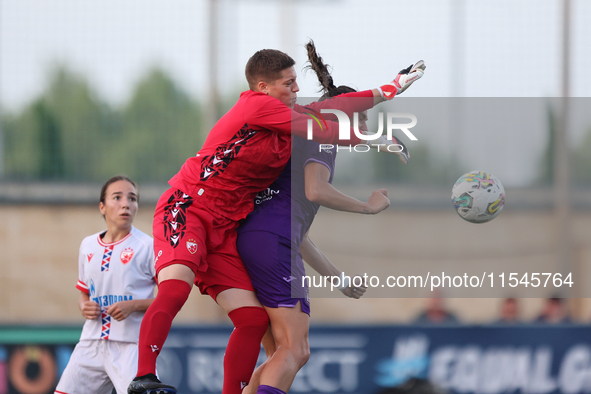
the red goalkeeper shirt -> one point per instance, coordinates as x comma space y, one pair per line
248, 147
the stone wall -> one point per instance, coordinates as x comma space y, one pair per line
39, 247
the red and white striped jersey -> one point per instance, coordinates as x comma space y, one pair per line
114, 272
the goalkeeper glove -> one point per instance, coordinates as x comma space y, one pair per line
403, 80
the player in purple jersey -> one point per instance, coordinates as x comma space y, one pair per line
274, 238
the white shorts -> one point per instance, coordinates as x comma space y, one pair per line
97, 366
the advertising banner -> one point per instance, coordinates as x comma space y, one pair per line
344, 359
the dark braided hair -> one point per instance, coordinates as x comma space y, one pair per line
316, 64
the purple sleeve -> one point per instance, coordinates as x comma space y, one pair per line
313, 153
314, 160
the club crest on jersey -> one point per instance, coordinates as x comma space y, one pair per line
126, 255
89, 256
192, 246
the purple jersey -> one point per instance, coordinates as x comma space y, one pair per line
283, 208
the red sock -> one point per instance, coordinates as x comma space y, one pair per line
156, 323
244, 346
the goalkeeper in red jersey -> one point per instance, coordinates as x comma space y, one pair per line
195, 221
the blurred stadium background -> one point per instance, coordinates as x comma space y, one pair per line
97, 88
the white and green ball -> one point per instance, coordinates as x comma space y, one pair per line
478, 197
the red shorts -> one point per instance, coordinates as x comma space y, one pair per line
185, 232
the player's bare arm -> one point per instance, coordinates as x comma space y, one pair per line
320, 191
89, 309
122, 309
321, 264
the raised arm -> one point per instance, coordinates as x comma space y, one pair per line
273, 115
347, 102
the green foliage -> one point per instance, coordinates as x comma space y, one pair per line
51, 158
21, 146
86, 125
162, 129
69, 133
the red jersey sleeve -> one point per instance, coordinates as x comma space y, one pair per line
82, 287
273, 115
347, 102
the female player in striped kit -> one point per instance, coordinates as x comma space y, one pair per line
274, 238
116, 283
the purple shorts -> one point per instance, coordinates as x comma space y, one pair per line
268, 259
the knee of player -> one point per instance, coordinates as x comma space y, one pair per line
302, 353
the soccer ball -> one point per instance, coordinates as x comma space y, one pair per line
478, 197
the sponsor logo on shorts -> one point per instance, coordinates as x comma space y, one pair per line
192, 246
243, 385
157, 257
126, 255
